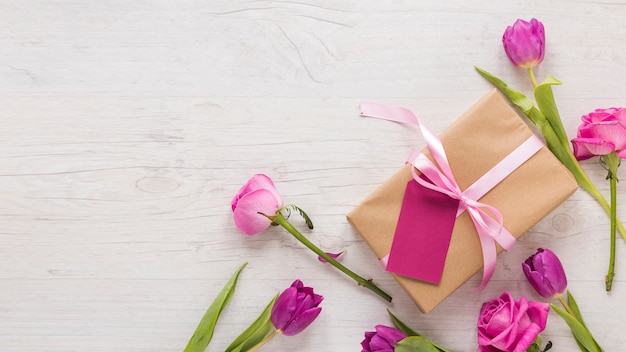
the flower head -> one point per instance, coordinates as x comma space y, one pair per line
256, 199
524, 43
384, 339
508, 325
295, 309
545, 273
602, 132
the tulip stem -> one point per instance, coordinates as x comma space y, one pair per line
531, 74
282, 221
565, 305
264, 341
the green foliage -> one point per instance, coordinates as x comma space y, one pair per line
255, 332
415, 344
581, 333
204, 332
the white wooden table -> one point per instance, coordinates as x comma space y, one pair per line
127, 127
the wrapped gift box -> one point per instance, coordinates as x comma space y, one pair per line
474, 143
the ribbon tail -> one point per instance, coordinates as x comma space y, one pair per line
488, 246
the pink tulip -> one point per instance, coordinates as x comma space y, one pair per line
295, 309
256, 199
602, 132
510, 326
524, 43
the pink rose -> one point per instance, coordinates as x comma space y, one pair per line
508, 325
602, 132
255, 201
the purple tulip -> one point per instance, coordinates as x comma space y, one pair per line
545, 273
524, 43
295, 309
384, 339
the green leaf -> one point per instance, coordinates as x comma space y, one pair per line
580, 332
410, 332
402, 326
574, 307
204, 332
415, 344
516, 97
547, 105
306, 218
255, 332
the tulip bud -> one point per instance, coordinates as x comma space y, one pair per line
295, 309
383, 339
545, 273
524, 43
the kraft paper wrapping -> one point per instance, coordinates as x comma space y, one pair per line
474, 143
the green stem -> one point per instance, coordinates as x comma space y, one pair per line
612, 163
531, 74
565, 305
264, 341
282, 221
569, 160
611, 273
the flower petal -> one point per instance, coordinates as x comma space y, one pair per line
257, 182
391, 335
302, 321
246, 212
585, 148
553, 271
332, 255
610, 131
284, 307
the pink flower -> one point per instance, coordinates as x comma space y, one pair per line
295, 309
602, 132
508, 325
524, 43
256, 199
545, 273
384, 339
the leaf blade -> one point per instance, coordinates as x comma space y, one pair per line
581, 333
204, 331
255, 332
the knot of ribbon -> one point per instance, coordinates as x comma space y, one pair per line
486, 218
438, 177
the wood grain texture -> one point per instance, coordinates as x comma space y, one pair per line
127, 127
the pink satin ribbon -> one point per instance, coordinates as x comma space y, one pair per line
487, 219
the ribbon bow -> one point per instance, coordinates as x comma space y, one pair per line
487, 220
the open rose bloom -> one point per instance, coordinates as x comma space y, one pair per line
602, 132
508, 325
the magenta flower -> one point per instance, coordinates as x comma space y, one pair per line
602, 132
384, 339
508, 325
295, 309
524, 43
256, 199
334, 256
545, 273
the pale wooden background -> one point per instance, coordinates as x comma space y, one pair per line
127, 127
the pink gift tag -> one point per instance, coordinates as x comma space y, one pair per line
423, 233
